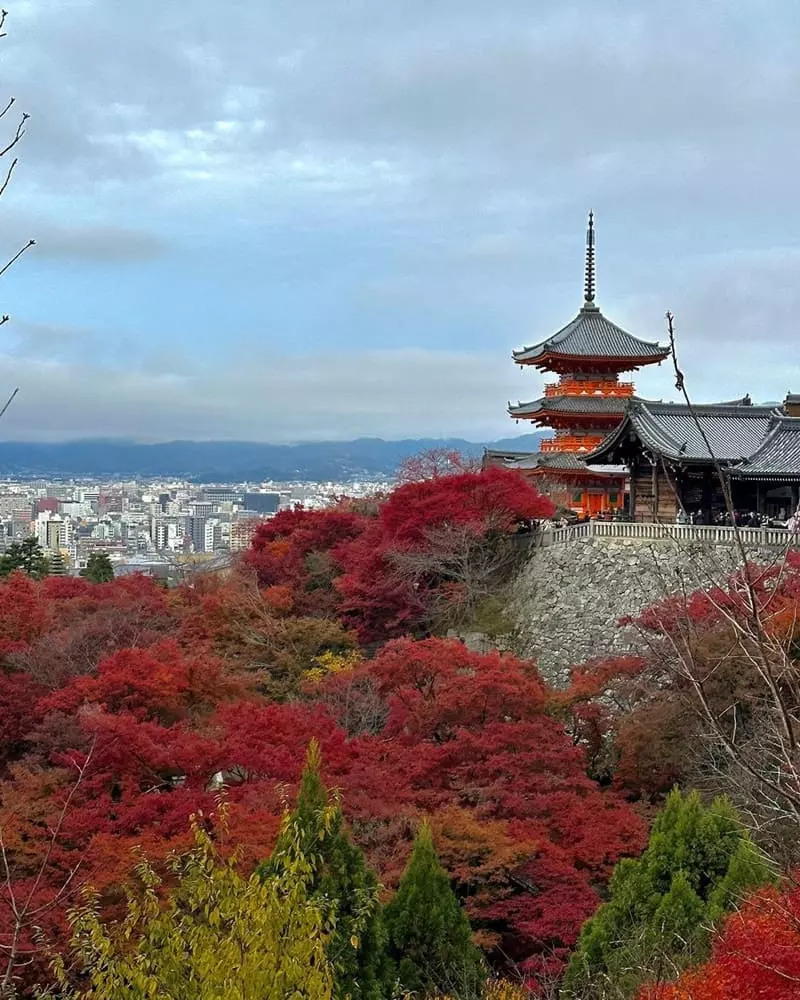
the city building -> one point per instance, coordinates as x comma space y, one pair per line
262, 503
53, 531
221, 494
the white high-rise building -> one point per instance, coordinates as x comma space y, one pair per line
53, 531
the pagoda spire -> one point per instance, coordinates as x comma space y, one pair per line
589, 281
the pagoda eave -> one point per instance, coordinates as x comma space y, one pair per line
558, 418
574, 475
563, 363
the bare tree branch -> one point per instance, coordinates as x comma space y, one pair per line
25, 912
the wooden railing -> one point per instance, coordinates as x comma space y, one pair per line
712, 533
575, 387
577, 444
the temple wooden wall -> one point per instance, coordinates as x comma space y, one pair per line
652, 498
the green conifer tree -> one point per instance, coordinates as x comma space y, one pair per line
27, 556
430, 939
698, 864
98, 568
341, 880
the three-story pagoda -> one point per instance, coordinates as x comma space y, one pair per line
585, 403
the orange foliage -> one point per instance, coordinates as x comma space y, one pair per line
756, 957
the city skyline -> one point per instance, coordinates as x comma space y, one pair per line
294, 222
163, 527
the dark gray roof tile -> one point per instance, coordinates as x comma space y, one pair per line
589, 335
778, 456
669, 429
571, 404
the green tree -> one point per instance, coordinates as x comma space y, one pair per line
430, 939
217, 935
27, 556
698, 864
340, 882
98, 568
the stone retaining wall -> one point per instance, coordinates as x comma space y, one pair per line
570, 597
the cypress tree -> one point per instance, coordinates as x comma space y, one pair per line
98, 568
430, 939
342, 882
26, 555
699, 862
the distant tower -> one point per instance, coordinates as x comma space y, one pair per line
586, 402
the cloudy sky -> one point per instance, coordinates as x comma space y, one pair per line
301, 219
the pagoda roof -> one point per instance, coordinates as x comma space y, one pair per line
556, 461
505, 456
778, 455
734, 430
591, 404
561, 460
591, 336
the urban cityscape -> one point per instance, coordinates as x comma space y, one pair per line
161, 529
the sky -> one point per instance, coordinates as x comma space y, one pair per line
287, 220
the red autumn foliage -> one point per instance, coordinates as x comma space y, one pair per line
165, 695
19, 711
472, 732
466, 739
345, 561
493, 500
23, 614
160, 683
757, 955
301, 550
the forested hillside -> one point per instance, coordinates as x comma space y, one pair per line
460, 829
230, 461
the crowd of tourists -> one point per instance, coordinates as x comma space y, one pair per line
741, 519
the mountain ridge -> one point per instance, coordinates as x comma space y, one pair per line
230, 461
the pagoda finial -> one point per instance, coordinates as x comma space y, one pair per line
589, 283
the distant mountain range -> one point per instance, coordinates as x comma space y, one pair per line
229, 461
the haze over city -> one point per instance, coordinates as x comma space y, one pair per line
304, 220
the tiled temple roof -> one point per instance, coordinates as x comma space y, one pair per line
777, 457
734, 431
591, 335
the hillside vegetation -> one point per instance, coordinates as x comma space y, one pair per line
285, 781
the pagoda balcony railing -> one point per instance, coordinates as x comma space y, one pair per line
714, 534
581, 387
568, 443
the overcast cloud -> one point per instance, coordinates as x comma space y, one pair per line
298, 219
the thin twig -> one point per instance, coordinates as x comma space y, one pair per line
9, 401
17, 255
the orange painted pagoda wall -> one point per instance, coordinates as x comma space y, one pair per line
578, 496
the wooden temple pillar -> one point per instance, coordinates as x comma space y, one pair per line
654, 487
707, 490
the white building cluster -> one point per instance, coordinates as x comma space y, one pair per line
152, 527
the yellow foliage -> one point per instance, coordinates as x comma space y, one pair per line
217, 934
495, 989
500, 989
333, 663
